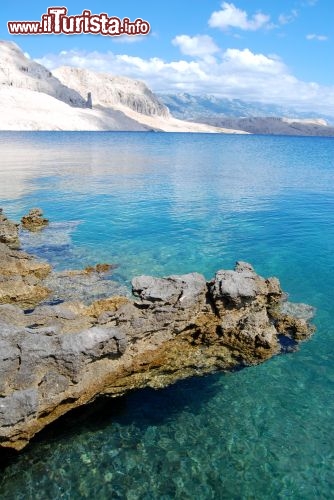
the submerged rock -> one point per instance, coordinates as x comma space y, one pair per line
26, 281
58, 357
34, 221
85, 286
100, 268
298, 310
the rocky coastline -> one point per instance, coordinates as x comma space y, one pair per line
56, 355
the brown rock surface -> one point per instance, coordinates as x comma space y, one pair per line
34, 220
20, 278
9, 231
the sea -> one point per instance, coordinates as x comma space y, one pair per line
165, 203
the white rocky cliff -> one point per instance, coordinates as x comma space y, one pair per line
17, 71
32, 98
113, 91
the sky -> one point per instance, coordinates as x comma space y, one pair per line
279, 51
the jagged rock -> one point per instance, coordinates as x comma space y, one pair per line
295, 328
180, 291
20, 278
9, 231
242, 286
59, 357
242, 300
34, 221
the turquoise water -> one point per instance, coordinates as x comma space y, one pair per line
174, 203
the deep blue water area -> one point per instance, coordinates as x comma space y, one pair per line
162, 204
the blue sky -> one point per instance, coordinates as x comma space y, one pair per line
280, 51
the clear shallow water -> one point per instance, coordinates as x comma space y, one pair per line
175, 203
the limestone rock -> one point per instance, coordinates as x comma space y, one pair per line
181, 291
58, 357
9, 231
20, 71
34, 220
109, 90
20, 278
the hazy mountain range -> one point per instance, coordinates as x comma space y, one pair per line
253, 117
33, 98
190, 106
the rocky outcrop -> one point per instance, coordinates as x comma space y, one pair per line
55, 358
21, 278
9, 231
20, 274
34, 220
60, 348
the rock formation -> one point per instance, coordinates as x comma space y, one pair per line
34, 220
20, 278
57, 357
110, 90
19, 71
9, 231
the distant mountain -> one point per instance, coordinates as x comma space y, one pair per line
131, 97
113, 91
275, 126
253, 117
32, 98
17, 71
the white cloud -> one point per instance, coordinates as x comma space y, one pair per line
233, 73
320, 38
200, 45
288, 18
231, 17
245, 60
